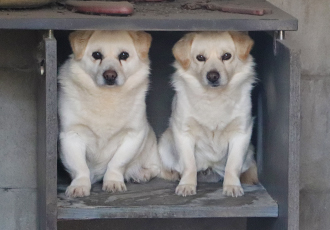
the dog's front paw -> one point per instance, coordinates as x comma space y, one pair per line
185, 190
114, 186
233, 190
78, 191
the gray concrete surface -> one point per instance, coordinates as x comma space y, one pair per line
18, 202
17, 135
315, 210
313, 33
315, 156
18, 209
313, 40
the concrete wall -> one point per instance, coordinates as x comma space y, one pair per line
313, 40
18, 204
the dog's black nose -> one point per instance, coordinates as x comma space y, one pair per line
213, 76
110, 77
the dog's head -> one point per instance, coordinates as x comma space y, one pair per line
213, 57
110, 57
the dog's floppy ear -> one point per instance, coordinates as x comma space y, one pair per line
243, 44
181, 50
78, 40
142, 42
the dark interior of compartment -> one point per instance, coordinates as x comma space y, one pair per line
160, 94
155, 204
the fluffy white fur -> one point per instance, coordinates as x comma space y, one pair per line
211, 126
104, 129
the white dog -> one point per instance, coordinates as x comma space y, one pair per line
104, 129
211, 123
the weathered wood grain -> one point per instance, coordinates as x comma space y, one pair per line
47, 139
156, 199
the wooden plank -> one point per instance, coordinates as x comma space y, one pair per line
156, 199
47, 139
149, 16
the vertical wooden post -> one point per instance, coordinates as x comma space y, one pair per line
280, 99
47, 139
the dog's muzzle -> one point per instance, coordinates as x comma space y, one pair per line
213, 78
110, 77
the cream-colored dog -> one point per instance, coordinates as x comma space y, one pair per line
104, 129
211, 123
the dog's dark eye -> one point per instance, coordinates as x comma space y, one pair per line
123, 56
226, 56
97, 55
200, 57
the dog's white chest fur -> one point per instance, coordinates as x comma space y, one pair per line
104, 128
98, 115
212, 119
211, 123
